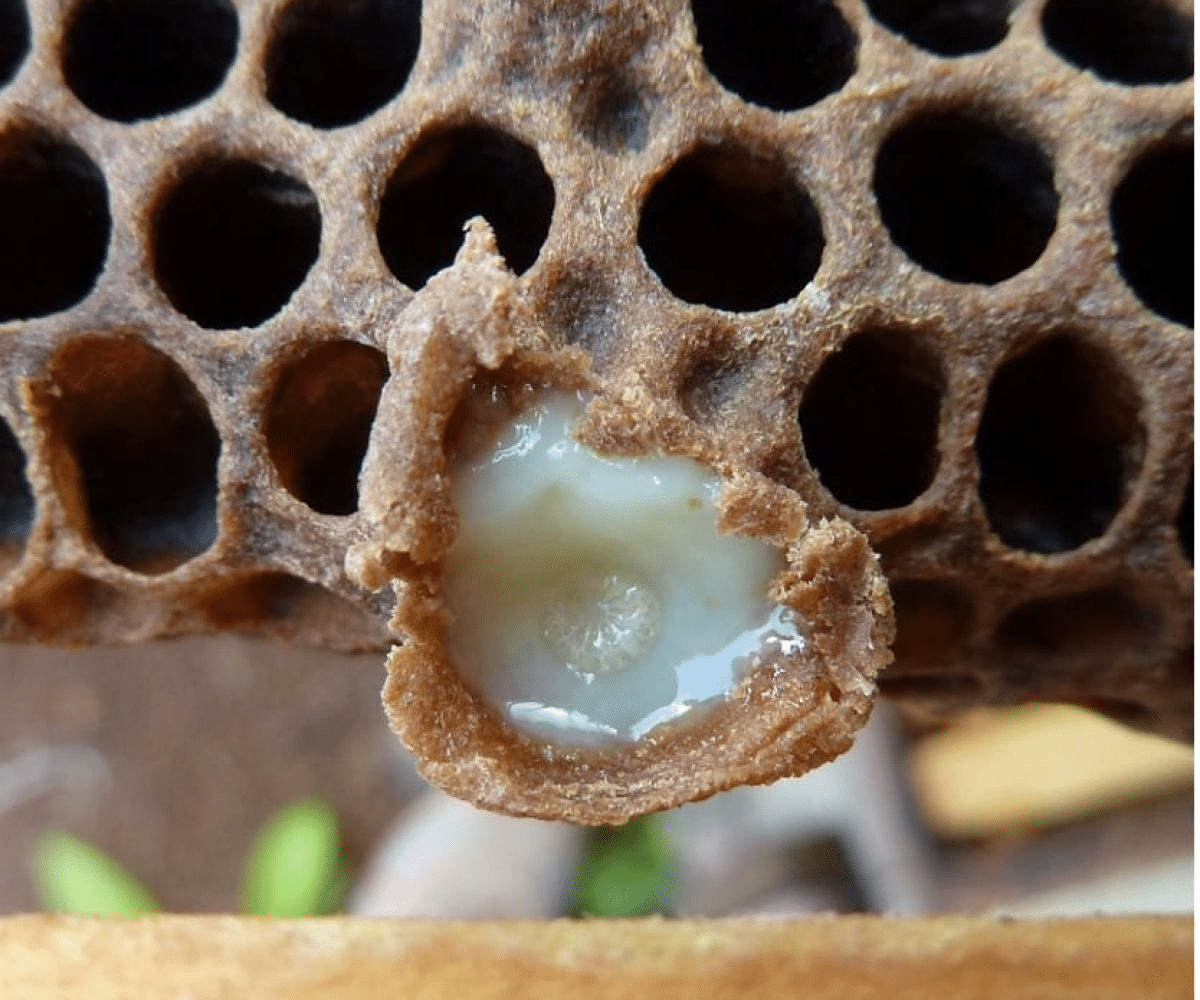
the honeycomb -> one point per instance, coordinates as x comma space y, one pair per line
926, 266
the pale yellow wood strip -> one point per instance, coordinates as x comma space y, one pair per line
848, 958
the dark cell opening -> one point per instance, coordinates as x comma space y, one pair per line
932, 618
869, 420
966, 198
320, 420
451, 177
779, 54
713, 383
938, 686
16, 497
612, 116
1185, 520
1152, 216
145, 447
56, 225
14, 38
946, 27
1126, 41
233, 241
333, 62
1059, 442
1104, 619
133, 59
729, 229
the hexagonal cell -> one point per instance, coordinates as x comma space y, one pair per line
869, 419
333, 62
264, 600
946, 27
17, 507
129, 60
1060, 442
56, 224
1099, 620
966, 197
452, 176
1152, 222
1126, 41
732, 229
779, 54
319, 421
14, 38
713, 381
933, 617
142, 451
233, 240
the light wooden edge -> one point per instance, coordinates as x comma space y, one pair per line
849, 958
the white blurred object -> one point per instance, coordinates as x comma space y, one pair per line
444, 859
1167, 887
739, 847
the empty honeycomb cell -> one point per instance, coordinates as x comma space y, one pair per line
144, 448
612, 115
933, 617
965, 197
1185, 519
869, 420
779, 54
946, 27
54, 203
456, 175
319, 422
935, 686
233, 240
14, 37
1059, 441
16, 497
1126, 41
1093, 621
1152, 222
333, 62
59, 603
729, 228
129, 60
712, 383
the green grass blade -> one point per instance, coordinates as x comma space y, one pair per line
72, 876
294, 868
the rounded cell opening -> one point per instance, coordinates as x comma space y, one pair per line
129, 60
869, 420
1060, 442
730, 229
964, 197
453, 176
145, 449
778, 54
55, 208
233, 240
333, 62
319, 423
1104, 619
17, 506
1125, 41
1152, 220
14, 38
946, 27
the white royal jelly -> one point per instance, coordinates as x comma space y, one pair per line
592, 597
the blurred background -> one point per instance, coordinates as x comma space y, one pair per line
171, 757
